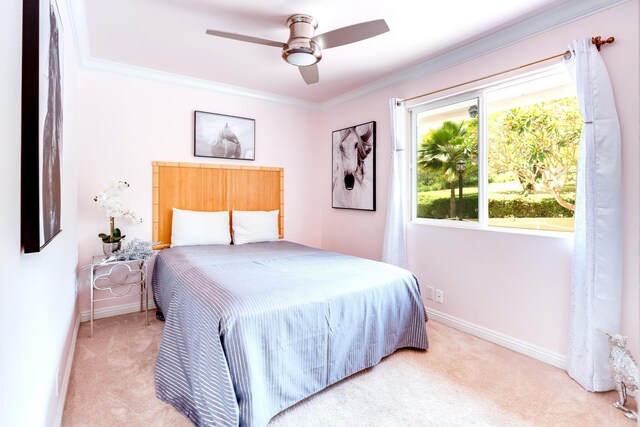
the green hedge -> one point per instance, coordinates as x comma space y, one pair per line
438, 207
506, 206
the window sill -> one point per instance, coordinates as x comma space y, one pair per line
475, 226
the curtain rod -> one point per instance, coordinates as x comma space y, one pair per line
595, 40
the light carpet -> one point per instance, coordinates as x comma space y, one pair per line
460, 381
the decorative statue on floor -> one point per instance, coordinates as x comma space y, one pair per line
625, 372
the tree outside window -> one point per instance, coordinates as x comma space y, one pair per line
532, 140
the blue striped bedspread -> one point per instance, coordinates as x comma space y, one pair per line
252, 329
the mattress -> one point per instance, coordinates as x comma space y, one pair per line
252, 329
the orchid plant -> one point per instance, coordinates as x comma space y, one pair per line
109, 200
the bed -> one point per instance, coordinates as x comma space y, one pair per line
252, 329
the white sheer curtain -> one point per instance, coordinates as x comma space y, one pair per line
597, 257
394, 250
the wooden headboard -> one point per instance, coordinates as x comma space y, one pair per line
211, 187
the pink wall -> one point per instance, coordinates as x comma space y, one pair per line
514, 284
115, 126
38, 290
126, 123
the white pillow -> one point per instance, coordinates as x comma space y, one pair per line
200, 228
254, 226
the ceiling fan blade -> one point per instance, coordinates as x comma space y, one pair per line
310, 74
351, 34
244, 38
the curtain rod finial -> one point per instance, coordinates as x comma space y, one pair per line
599, 42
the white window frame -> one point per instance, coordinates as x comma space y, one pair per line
483, 162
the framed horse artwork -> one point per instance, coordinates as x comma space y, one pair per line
225, 137
42, 102
354, 167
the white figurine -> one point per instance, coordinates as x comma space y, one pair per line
625, 372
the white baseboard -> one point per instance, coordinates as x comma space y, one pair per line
539, 353
117, 310
62, 398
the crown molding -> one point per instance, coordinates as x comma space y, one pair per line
147, 74
569, 12
87, 62
533, 26
79, 29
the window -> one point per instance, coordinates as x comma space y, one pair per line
501, 156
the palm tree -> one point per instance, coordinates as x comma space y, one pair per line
442, 148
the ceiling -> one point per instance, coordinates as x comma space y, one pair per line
169, 36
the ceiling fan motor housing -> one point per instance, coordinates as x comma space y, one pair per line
300, 50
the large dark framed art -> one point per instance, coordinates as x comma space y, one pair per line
41, 154
222, 136
354, 167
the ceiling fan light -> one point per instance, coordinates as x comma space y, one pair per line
301, 59
301, 52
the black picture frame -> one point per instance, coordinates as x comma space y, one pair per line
223, 136
354, 167
41, 124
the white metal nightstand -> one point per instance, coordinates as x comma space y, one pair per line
119, 278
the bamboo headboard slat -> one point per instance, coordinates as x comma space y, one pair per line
213, 187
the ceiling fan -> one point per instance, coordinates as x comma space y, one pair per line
304, 49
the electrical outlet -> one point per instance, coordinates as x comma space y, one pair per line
439, 296
431, 292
